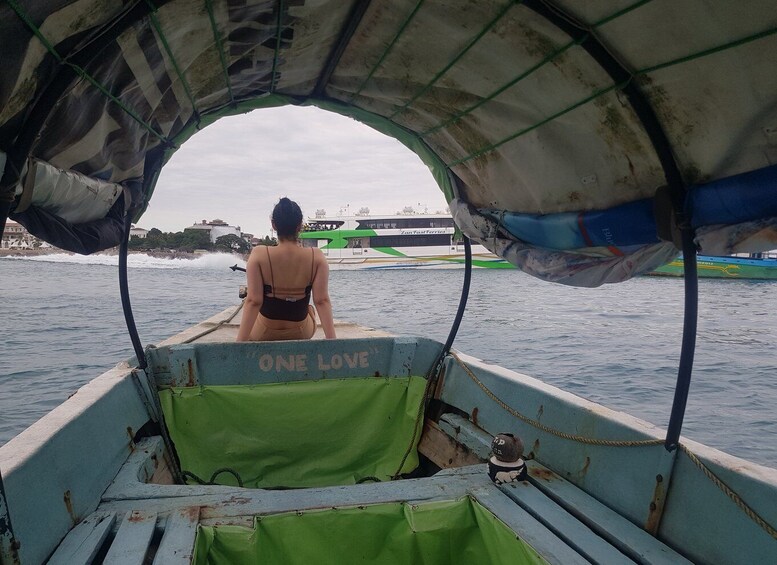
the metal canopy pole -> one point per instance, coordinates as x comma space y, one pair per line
688, 349
125, 299
460, 312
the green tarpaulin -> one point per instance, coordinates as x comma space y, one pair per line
300, 434
449, 533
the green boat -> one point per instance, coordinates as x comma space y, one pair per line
751, 268
584, 143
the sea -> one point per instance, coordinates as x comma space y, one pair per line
617, 345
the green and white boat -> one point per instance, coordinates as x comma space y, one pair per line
760, 266
583, 142
410, 240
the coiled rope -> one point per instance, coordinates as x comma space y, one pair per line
733, 496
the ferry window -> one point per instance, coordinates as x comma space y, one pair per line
410, 240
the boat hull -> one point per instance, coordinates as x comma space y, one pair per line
484, 261
711, 267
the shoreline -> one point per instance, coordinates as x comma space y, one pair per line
159, 254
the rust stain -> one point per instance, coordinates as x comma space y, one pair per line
475, 415
69, 506
131, 435
586, 465
574, 196
190, 369
656, 507
136, 516
543, 474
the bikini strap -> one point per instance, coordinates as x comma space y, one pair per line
272, 277
312, 265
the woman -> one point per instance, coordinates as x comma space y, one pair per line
280, 281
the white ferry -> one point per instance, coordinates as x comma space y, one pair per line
417, 240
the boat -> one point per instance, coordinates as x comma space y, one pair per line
409, 240
759, 266
584, 143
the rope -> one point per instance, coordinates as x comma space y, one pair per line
217, 326
735, 498
215, 474
543, 427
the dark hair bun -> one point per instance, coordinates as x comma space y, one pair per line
287, 217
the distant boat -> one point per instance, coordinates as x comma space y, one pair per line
409, 240
756, 266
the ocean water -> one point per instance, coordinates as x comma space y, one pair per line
617, 345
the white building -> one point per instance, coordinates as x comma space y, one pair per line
216, 228
138, 232
16, 236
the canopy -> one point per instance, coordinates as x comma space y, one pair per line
572, 138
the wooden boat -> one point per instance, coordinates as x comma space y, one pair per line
584, 143
732, 267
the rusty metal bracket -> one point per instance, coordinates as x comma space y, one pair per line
9, 547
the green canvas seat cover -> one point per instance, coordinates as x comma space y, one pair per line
298, 434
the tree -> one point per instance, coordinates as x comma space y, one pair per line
232, 244
267, 240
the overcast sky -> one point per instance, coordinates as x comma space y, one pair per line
238, 168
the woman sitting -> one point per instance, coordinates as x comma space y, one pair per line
280, 281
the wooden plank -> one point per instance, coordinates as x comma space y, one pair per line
261, 502
130, 545
544, 542
177, 545
84, 541
444, 451
617, 530
574, 533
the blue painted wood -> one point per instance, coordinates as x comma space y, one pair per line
621, 533
7, 542
467, 433
263, 362
702, 518
84, 541
545, 542
623, 477
65, 461
260, 502
177, 545
130, 545
573, 532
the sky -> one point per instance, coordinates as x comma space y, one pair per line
237, 169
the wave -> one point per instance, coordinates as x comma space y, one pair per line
140, 260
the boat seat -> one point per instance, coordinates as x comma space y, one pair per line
594, 530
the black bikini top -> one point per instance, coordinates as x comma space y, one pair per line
289, 309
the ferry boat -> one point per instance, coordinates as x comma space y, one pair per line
753, 266
407, 240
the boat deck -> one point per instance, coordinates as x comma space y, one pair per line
142, 517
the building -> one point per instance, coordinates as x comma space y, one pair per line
16, 236
216, 228
138, 232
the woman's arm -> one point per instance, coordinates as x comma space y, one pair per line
321, 296
254, 298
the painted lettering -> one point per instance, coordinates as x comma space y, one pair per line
301, 362
337, 361
321, 365
285, 364
266, 362
364, 361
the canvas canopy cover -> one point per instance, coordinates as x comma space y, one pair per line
575, 139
